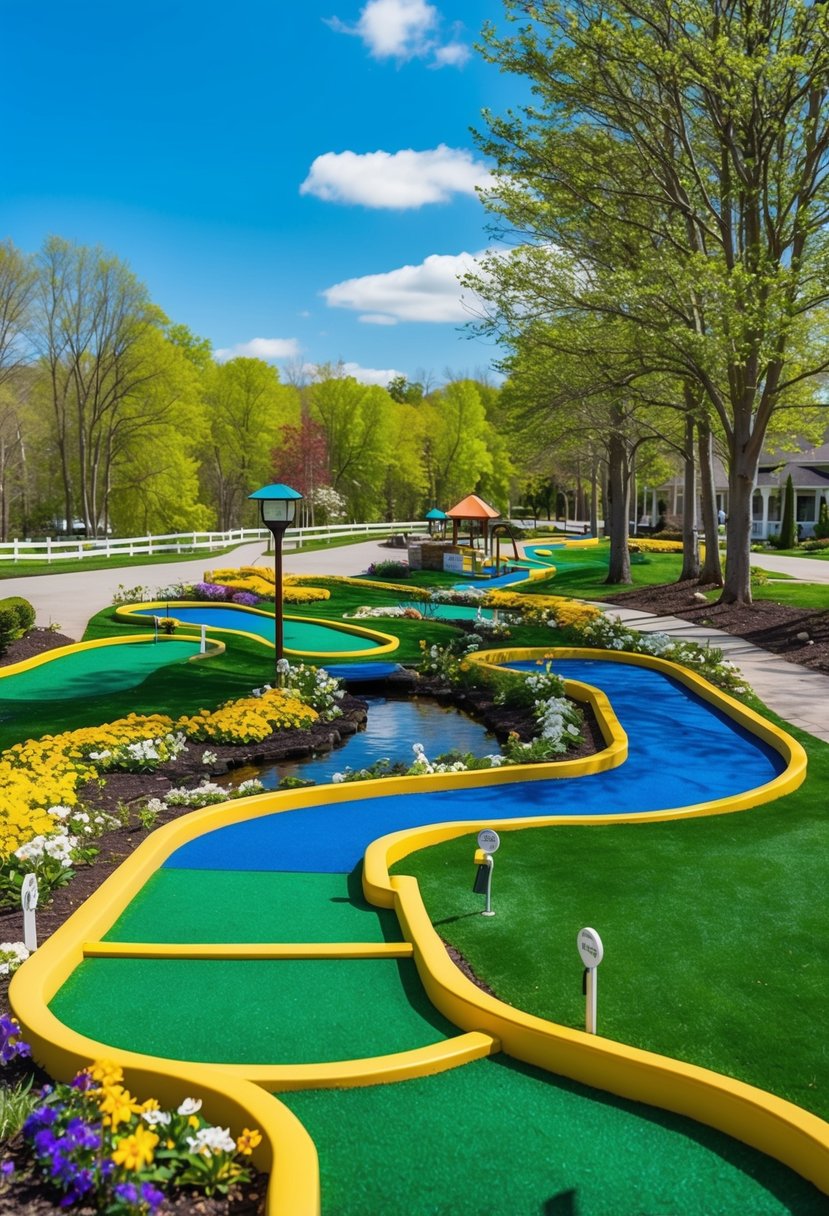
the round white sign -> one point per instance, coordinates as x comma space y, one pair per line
29, 893
590, 947
489, 841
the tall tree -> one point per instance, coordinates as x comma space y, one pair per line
247, 407
356, 419
92, 321
675, 156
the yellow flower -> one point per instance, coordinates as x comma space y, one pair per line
117, 1105
106, 1073
135, 1151
248, 1141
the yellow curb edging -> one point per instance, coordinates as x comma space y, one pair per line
387, 643
136, 639
778, 1128
216, 951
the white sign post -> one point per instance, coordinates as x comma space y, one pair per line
28, 898
489, 842
203, 644
591, 952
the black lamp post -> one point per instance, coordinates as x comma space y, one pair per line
277, 505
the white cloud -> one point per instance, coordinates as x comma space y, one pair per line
452, 55
429, 291
377, 318
260, 348
395, 180
366, 375
403, 29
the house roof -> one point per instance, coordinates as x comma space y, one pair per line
803, 477
473, 507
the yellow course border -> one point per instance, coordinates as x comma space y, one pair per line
61, 652
386, 644
772, 1125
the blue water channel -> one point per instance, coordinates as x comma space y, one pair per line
682, 751
391, 730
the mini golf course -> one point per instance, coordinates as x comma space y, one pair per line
303, 637
89, 669
235, 950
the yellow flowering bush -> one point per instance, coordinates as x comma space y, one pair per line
250, 719
259, 581
336, 580
647, 544
542, 609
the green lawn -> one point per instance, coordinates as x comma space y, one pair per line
24, 569
716, 932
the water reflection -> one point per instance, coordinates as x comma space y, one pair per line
392, 727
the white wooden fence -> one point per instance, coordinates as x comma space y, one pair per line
187, 542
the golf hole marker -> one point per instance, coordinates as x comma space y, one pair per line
591, 952
28, 899
488, 843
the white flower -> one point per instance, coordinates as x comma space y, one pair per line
156, 1117
337, 777
190, 1106
209, 757
283, 666
209, 1140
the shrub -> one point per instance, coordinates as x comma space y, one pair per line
389, 569
822, 525
9, 628
788, 527
23, 609
815, 546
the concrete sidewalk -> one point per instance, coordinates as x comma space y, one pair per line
69, 600
804, 569
796, 693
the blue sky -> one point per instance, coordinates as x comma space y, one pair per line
223, 152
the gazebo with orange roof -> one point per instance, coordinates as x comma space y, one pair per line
475, 510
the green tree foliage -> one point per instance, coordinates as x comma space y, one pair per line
357, 421
459, 442
788, 527
92, 328
822, 525
670, 176
247, 407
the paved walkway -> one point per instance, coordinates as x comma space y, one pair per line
805, 569
69, 600
796, 693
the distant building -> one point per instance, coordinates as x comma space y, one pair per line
809, 470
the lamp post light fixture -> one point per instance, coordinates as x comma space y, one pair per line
277, 505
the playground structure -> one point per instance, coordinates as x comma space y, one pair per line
304, 838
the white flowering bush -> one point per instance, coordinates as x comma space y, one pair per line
12, 954
140, 755
312, 686
451, 762
707, 661
205, 794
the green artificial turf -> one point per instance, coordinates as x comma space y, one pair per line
175, 690
497, 1138
87, 673
244, 1011
234, 906
716, 932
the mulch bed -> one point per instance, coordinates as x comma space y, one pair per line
774, 627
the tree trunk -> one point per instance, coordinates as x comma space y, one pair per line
737, 585
618, 493
711, 571
690, 547
594, 497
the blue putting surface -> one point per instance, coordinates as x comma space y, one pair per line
682, 752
